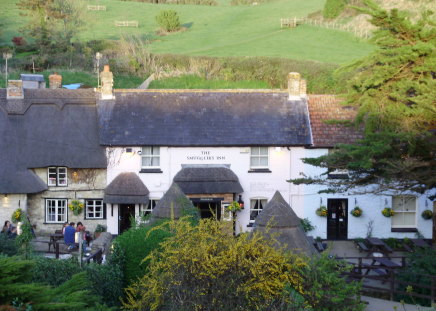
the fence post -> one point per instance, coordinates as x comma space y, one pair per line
360, 265
392, 287
433, 298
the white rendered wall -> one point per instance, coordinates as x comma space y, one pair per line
371, 205
255, 185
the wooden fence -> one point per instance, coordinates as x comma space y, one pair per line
382, 279
126, 23
294, 22
96, 8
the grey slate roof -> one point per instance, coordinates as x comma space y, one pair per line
172, 203
203, 118
46, 128
207, 179
126, 188
279, 220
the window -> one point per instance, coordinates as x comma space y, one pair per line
256, 206
150, 157
57, 176
405, 212
94, 209
337, 173
55, 210
259, 157
147, 209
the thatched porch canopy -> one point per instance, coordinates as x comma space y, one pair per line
126, 188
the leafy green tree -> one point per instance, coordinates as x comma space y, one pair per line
52, 23
168, 20
394, 90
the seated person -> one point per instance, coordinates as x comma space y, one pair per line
69, 235
9, 229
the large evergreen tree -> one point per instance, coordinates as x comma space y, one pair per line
394, 91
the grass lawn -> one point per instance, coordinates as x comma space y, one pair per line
221, 30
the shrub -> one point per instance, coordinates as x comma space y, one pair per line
203, 267
325, 289
306, 224
7, 245
54, 272
168, 20
136, 244
420, 266
333, 8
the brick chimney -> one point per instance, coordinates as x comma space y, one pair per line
15, 89
107, 83
296, 86
55, 81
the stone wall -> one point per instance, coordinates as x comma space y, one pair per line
9, 203
82, 184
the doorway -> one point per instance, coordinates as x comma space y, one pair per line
337, 219
208, 207
126, 212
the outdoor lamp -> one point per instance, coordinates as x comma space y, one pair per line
240, 202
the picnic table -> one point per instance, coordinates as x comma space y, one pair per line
377, 245
54, 238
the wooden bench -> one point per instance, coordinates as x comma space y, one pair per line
127, 23
362, 247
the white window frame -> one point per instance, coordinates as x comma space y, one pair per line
145, 210
60, 211
258, 155
258, 210
226, 215
90, 207
57, 180
401, 213
152, 156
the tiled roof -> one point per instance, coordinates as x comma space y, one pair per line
328, 107
203, 118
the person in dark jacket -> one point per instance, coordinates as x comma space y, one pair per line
69, 235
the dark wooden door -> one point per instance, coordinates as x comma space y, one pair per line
337, 219
126, 212
209, 210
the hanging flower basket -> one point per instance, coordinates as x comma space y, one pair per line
356, 212
234, 207
427, 214
321, 211
388, 212
17, 215
76, 207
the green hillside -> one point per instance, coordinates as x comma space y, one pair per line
221, 30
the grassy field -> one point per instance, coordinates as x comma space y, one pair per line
221, 30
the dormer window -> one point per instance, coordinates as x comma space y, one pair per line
57, 176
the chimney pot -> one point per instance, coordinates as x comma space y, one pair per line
107, 83
15, 89
55, 81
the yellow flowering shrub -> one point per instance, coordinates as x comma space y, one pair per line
204, 268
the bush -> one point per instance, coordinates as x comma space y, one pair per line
306, 224
168, 20
333, 8
422, 261
136, 244
54, 272
325, 289
205, 268
7, 245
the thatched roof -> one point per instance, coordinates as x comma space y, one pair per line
207, 179
279, 220
126, 188
172, 203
